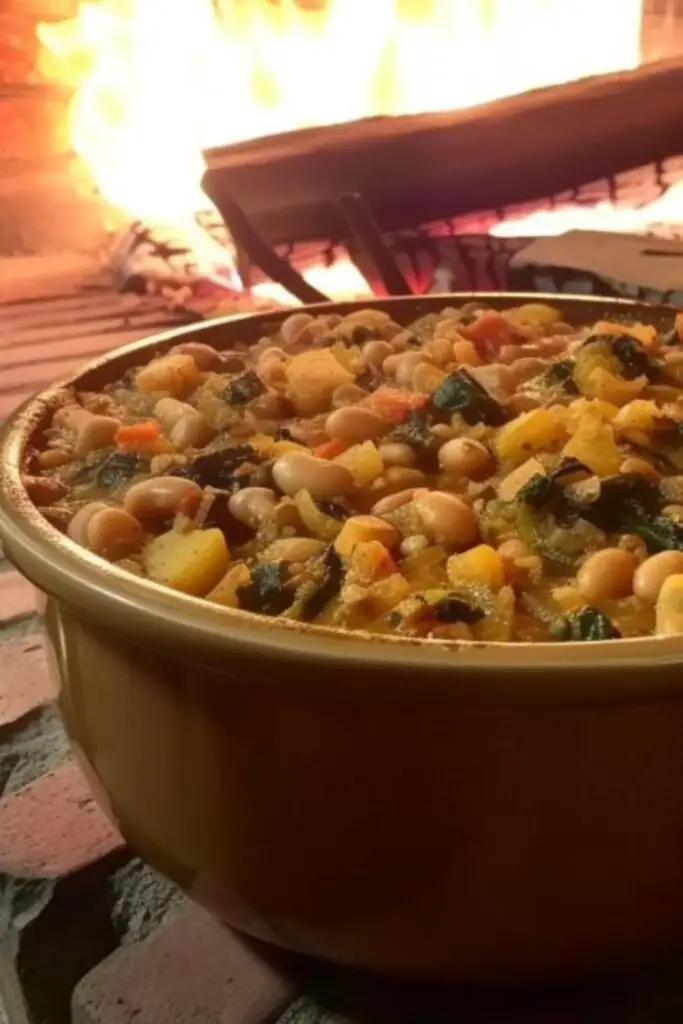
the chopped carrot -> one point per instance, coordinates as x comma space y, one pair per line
330, 449
134, 435
489, 332
394, 405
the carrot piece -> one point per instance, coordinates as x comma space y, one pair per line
133, 434
489, 333
329, 449
394, 405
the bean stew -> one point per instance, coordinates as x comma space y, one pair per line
486, 475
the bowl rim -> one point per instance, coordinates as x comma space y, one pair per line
106, 594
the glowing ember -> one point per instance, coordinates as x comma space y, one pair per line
157, 81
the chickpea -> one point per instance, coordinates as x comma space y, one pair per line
169, 410
401, 341
651, 574
299, 471
607, 574
176, 374
294, 325
161, 497
270, 366
390, 365
441, 351
464, 457
347, 394
392, 502
252, 506
77, 529
293, 549
353, 424
191, 431
640, 467
405, 367
42, 491
396, 453
205, 356
113, 534
375, 352
447, 519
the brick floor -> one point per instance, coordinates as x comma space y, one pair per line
17, 597
25, 682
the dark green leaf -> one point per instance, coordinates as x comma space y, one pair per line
633, 358
588, 624
562, 374
330, 575
454, 609
413, 430
243, 389
266, 592
218, 468
119, 468
461, 393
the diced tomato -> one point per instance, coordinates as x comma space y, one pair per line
137, 434
394, 405
329, 449
489, 333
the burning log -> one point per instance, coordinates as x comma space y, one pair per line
419, 168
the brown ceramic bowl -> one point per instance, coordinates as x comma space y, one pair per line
477, 812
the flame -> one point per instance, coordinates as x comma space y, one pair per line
157, 81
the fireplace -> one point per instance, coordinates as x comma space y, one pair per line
326, 159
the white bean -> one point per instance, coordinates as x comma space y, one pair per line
347, 394
252, 506
95, 432
299, 471
205, 357
293, 549
447, 519
607, 574
113, 533
651, 574
77, 529
162, 497
294, 325
191, 431
465, 457
396, 453
375, 352
169, 410
405, 367
392, 502
353, 424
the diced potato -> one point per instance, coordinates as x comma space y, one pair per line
387, 593
346, 354
514, 481
609, 387
582, 407
496, 626
568, 598
359, 529
311, 379
537, 314
594, 445
264, 444
192, 562
530, 432
225, 592
370, 560
638, 415
646, 334
363, 461
322, 526
480, 566
176, 374
669, 607
425, 569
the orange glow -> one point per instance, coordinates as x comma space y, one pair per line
157, 81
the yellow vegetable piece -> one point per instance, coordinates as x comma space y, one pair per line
594, 445
387, 593
582, 407
359, 529
669, 607
537, 314
346, 354
371, 560
322, 526
480, 566
531, 432
496, 626
646, 334
225, 592
514, 481
191, 562
637, 415
311, 379
363, 461
609, 387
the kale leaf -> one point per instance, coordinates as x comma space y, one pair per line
413, 430
266, 592
242, 389
461, 393
218, 468
588, 624
454, 609
118, 468
562, 374
327, 586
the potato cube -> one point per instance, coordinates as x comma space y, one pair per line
360, 529
480, 566
594, 445
363, 461
225, 592
191, 562
175, 374
533, 431
514, 481
311, 379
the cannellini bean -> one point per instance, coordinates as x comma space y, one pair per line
42, 491
465, 457
299, 471
113, 533
414, 545
396, 478
205, 356
396, 453
162, 497
651, 574
95, 432
347, 394
375, 352
400, 342
673, 512
406, 365
447, 519
669, 607
77, 529
53, 458
607, 574
270, 366
293, 326
441, 351
169, 410
293, 549
191, 431
252, 506
353, 424
390, 365
175, 373
392, 502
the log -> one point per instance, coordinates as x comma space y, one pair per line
419, 168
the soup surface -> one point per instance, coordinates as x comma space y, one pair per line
475, 475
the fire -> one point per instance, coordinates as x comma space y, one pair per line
157, 81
